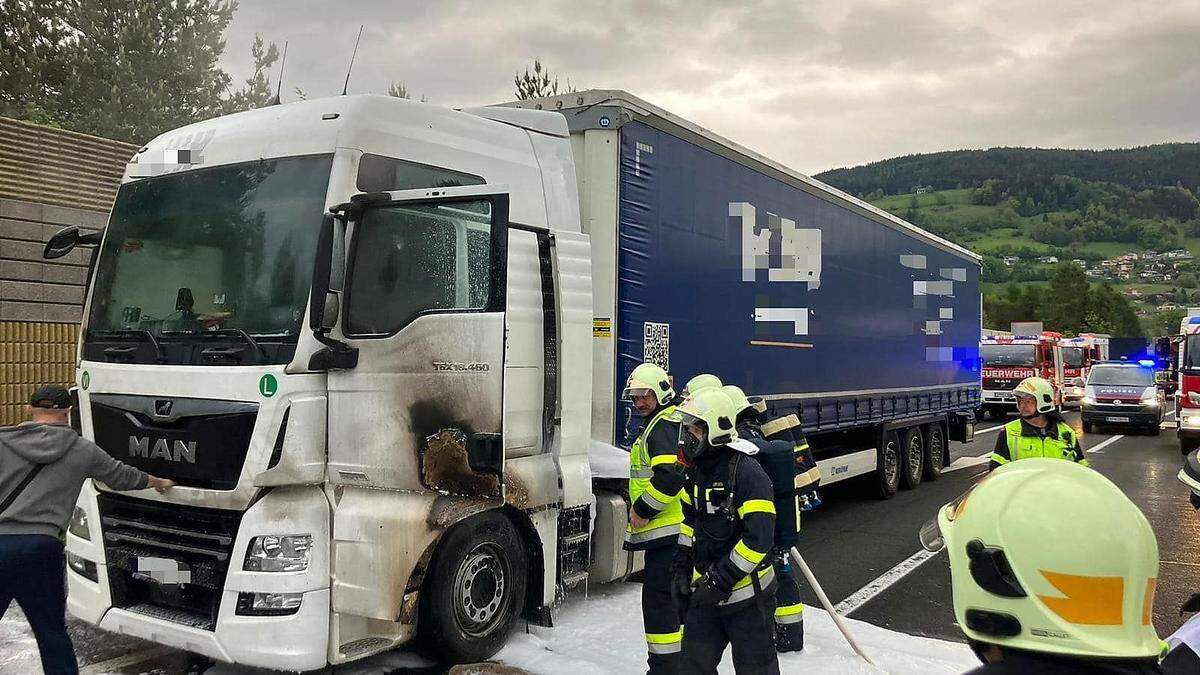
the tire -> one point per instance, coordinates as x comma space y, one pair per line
477, 589
887, 467
1187, 445
935, 446
1087, 427
986, 413
1156, 430
913, 456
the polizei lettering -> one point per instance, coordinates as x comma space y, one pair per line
179, 451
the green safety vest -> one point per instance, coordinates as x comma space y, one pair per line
1024, 447
641, 469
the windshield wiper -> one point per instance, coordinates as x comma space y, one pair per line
225, 332
133, 333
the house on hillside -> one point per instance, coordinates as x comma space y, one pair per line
1048, 259
1010, 260
1128, 257
1177, 254
1108, 263
1149, 255
1168, 307
924, 189
1133, 292
1095, 273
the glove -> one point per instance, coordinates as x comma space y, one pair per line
709, 591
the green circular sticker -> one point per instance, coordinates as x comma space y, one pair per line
85, 380
267, 385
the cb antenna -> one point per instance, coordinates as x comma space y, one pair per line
279, 84
351, 68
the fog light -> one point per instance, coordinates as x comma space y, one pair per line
82, 567
268, 604
79, 524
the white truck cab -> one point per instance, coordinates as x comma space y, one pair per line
404, 445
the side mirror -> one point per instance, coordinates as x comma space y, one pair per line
65, 240
331, 311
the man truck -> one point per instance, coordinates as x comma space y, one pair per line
373, 341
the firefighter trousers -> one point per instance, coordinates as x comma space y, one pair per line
789, 610
708, 630
660, 617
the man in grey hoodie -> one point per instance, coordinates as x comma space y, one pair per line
43, 464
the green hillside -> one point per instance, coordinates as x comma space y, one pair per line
1016, 208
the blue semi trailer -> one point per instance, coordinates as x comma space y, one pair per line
708, 257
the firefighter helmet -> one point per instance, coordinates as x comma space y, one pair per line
1080, 583
1040, 390
649, 378
735, 394
711, 410
701, 382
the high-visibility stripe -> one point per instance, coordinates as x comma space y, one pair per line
740, 561
807, 478
789, 610
659, 460
643, 536
780, 424
652, 502
744, 589
684, 540
751, 556
685, 497
641, 472
1000, 460
684, 528
800, 448
662, 497
756, 506
664, 638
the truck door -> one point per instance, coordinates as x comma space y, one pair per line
424, 304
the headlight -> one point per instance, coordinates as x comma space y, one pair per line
1089, 400
79, 524
1150, 397
279, 553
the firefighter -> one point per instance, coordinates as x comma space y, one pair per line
655, 515
789, 610
1040, 432
722, 568
1071, 594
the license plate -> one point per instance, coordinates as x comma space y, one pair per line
1116, 419
164, 570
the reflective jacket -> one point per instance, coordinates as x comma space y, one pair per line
728, 530
1022, 440
655, 482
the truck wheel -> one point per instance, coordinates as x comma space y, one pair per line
887, 467
913, 457
1156, 430
935, 447
477, 589
1186, 445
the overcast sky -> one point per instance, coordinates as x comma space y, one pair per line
814, 85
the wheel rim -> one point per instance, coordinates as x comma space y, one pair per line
935, 450
480, 586
891, 463
914, 456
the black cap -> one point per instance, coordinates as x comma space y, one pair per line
51, 396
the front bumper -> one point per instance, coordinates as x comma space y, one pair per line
1122, 415
999, 397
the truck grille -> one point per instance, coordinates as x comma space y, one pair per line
200, 541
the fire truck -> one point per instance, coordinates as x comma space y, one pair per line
1187, 394
1008, 359
1078, 355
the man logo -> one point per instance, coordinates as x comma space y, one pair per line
162, 407
179, 451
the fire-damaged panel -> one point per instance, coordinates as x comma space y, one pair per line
197, 443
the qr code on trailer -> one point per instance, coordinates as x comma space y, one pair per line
656, 344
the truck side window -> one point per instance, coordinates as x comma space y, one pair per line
410, 259
382, 174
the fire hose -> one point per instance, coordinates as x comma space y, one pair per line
837, 619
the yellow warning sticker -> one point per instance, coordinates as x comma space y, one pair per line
601, 328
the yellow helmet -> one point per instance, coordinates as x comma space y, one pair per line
701, 382
711, 409
649, 378
1041, 391
1050, 556
735, 394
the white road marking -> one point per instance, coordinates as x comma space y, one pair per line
1100, 448
988, 430
884, 581
125, 661
967, 462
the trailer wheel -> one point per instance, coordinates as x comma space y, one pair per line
935, 448
913, 457
887, 466
477, 589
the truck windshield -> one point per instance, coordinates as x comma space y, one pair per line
217, 250
1191, 359
1072, 356
1007, 355
1131, 376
